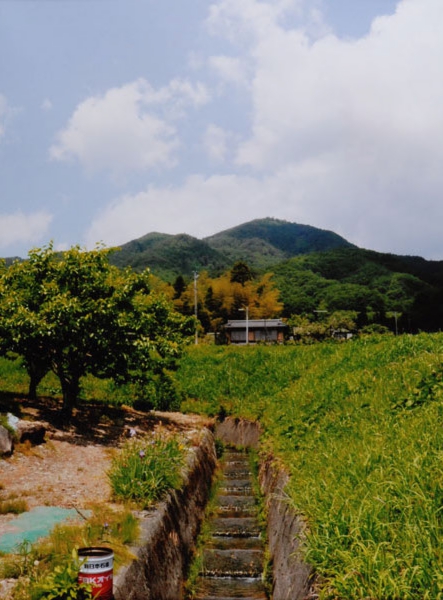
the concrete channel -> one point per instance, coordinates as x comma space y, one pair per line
168, 535
234, 554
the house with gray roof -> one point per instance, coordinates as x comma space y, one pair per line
255, 330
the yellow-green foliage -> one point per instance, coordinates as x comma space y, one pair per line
359, 426
144, 470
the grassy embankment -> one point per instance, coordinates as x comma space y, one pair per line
359, 426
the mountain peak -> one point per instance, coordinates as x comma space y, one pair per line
261, 243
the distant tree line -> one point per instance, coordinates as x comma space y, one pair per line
349, 280
343, 287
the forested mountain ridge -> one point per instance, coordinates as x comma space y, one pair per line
377, 286
313, 270
261, 243
169, 255
264, 242
289, 269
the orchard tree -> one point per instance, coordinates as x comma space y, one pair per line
22, 329
75, 314
308, 329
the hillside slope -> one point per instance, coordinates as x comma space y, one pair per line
264, 242
169, 255
261, 243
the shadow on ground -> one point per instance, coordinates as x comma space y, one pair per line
91, 422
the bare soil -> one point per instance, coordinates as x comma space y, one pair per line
69, 469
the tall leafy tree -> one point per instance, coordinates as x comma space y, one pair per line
241, 273
223, 298
76, 314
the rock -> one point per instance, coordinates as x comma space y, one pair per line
12, 421
6, 441
6, 588
34, 431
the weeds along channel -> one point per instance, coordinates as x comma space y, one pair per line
358, 427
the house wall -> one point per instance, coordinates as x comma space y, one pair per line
269, 334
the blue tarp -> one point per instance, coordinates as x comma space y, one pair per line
32, 525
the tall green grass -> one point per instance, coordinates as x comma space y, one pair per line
359, 426
145, 469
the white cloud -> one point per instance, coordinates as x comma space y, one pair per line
249, 19
129, 127
202, 206
217, 143
312, 97
198, 207
23, 228
230, 69
355, 125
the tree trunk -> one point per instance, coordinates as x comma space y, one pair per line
32, 393
36, 373
70, 389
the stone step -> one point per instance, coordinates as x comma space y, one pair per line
236, 463
229, 588
236, 506
233, 556
237, 473
235, 460
225, 542
235, 527
237, 487
236, 512
235, 455
232, 563
240, 501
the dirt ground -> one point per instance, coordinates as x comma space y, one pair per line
69, 469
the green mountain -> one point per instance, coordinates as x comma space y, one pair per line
375, 285
169, 255
261, 243
314, 270
265, 242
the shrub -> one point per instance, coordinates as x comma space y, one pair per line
12, 506
145, 469
62, 584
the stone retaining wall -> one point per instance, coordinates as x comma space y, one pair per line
168, 535
284, 528
285, 531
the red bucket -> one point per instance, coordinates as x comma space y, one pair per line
96, 569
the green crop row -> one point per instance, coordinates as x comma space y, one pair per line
359, 426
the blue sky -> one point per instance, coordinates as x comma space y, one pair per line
122, 117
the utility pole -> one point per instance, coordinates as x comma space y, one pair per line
196, 306
246, 310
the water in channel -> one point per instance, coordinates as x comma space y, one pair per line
233, 555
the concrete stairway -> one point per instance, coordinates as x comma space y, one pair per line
233, 557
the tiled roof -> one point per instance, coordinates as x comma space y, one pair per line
256, 324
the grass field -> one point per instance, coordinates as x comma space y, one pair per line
359, 426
